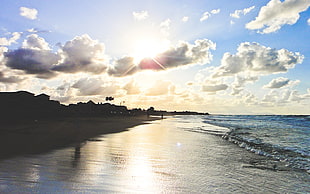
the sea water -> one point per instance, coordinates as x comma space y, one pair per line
285, 138
181, 154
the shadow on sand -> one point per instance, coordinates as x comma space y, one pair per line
38, 136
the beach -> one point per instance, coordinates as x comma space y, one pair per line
165, 156
37, 136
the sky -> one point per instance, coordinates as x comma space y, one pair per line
245, 57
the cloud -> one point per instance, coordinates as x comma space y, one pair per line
34, 57
9, 79
276, 14
123, 67
132, 88
214, 88
288, 96
280, 82
3, 50
308, 21
82, 54
272, 97
9, 41
215, 11
165, 27
253, 58
32, 61
160, 87
207, 14
35, 42
142, 15
249, 99
29, 13
183, 54
185, 19
95, 86
88, 86
240, 81
244, 11
277, 83
63, 93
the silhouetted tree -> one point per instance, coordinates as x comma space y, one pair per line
151, 110
109, 98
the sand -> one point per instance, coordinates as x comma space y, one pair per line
38, 136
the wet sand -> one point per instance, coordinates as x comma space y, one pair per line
38, 136
163, 157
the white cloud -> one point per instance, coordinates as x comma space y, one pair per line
161, 87
9, 79
35, 30
207, 14
240, 81
281, 82
213, 85
95, 86
33, 41
278, 83
82, 54
132, 88
249, 99
288, 96
183, 54
272, 97
214, 88
276, 14
3, 50
255, 59
308, 21
215, 11
8, 41
244, 11
165, 27
185, 19
29, 13
142, 15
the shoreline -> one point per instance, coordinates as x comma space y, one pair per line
39, 136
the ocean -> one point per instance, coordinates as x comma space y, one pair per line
180, 154
284, 138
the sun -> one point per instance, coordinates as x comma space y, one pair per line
148, 48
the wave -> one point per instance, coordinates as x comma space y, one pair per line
293, 157
282, 137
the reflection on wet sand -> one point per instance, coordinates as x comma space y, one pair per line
77, 155
156, 158
134, 158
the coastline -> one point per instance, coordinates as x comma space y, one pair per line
164, 156
39, 136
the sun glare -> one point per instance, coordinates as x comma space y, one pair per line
148, 48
